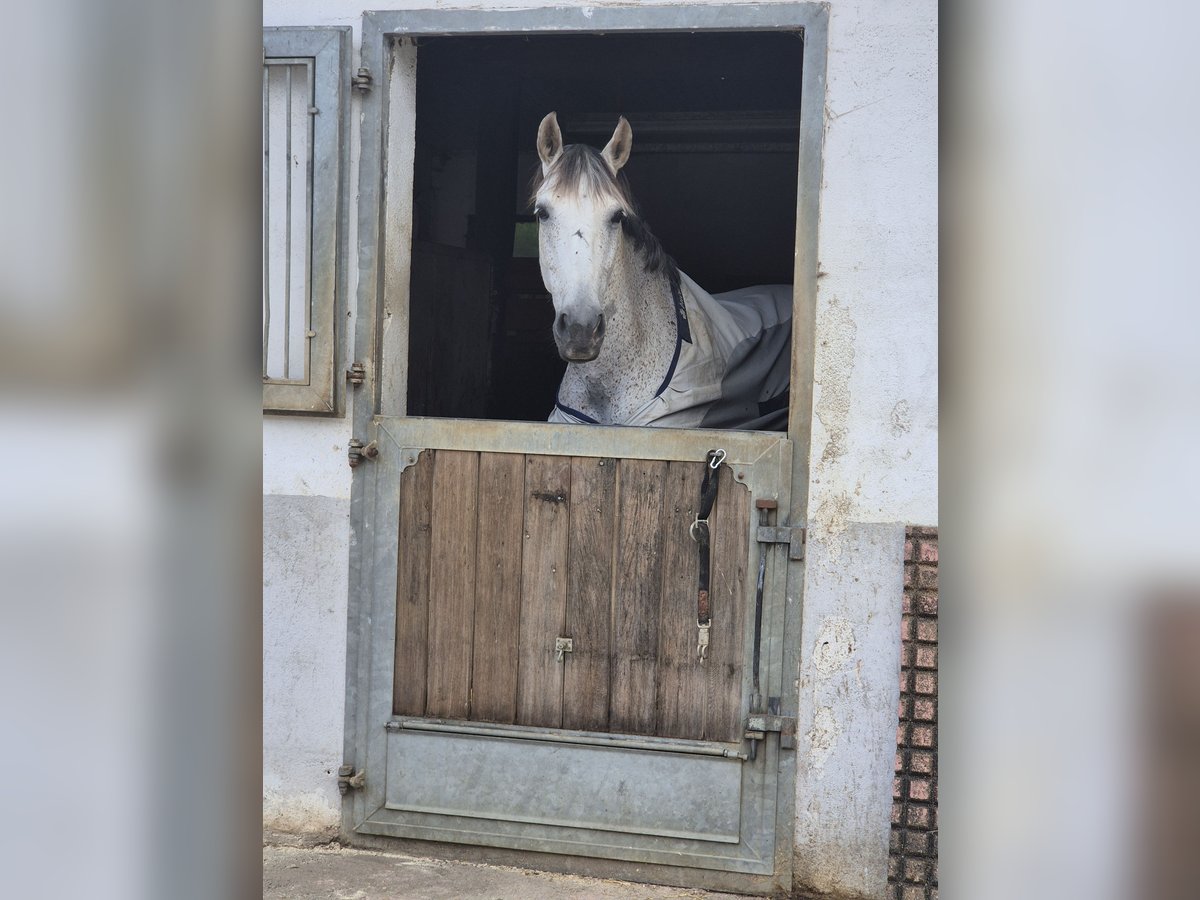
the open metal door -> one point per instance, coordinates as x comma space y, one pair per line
522, 668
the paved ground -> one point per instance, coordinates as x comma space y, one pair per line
333, 873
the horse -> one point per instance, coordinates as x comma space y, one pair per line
644, 344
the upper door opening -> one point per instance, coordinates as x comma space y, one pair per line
715, 119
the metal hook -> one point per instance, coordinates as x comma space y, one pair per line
716, 458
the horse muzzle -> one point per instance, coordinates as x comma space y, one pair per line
579, 340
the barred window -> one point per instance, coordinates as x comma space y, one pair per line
304, 133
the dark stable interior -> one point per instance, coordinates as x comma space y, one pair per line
715, 122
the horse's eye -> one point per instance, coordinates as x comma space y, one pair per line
541, 214
617, 217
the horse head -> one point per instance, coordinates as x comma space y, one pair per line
580, 204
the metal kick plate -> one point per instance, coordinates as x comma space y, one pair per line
642, 792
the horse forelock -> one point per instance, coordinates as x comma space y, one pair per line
581, 169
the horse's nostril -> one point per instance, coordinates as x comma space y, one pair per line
600, 327
562, 320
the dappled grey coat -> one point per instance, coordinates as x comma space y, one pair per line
731, 364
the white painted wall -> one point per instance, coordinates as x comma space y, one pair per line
874, 455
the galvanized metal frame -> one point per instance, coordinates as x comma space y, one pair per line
381, 343
328, 49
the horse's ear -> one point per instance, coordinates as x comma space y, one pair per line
549, 141
616, 151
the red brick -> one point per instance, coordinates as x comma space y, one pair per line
893, 868
913, 892
906, 656
927, 551
925, 682
901, 735
906, 628
904, 710
926, 657
918, 789
924, 710
906, 605
927, 577
918, 817
927, 603
922, 736
927, 630
922, 763
908, 576
899, 762
896, 790
916, 842
895, 813
908, 551
916, 870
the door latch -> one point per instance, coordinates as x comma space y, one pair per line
563, 646
759, 724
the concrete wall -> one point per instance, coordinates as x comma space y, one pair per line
874, 446
874, 462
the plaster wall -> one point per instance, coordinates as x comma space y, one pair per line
874, 459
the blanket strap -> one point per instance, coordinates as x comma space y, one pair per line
702, 536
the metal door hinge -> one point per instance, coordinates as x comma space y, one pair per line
349, 779
357, 451
357, 373
362, 80
758, 724
792, 535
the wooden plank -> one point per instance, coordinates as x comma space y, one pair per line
452, 582
637, 595
681, 679
412, 587
544, 589
730, 553
589, 593
498, 587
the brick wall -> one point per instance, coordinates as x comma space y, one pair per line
912, 866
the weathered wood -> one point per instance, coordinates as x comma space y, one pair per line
681, 678
589, 593
730, 550
498, 587
412, 587
452, 582
544, 589
637, 595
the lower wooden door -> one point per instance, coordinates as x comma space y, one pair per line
525, 670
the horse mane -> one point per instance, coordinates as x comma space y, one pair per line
581, 168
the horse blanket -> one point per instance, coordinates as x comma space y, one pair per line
731, 365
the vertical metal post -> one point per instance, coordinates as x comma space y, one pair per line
310, 104
266, 216
287, 271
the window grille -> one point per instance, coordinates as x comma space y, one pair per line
303, 137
